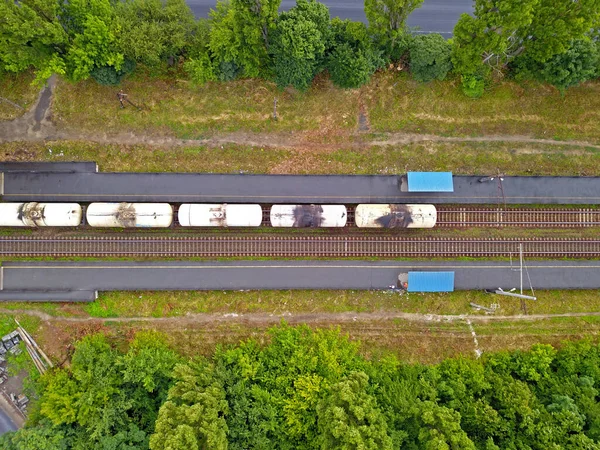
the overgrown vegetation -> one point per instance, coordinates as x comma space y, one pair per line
310, 389
555, 41
475, 158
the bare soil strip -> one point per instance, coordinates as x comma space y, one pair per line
259, 319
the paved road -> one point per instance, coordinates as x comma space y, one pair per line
341, 189
6, 424
434, 15
236, 275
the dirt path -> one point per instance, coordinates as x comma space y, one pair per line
36, 125
266, 319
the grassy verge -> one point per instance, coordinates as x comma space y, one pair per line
177, 108
17, 89
392, 102
529, 109
181, 303
425, 342
461, 158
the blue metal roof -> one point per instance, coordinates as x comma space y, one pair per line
430, 281
430, 182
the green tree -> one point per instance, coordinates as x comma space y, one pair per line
31, 35
349, 418
430, 57
440, 428
192, 417
387, 22
578, 64
504, 30
151, 31
299, 43
352, 59
241, 35
93, 37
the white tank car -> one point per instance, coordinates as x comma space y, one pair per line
40, 214
130, 215
219, 215
395, 216
324, 216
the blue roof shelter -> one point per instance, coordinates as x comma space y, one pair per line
430, 282
430, 182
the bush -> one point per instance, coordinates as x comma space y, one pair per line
473, 85
578, 64
200, 69
109, 76
430, 57
352, 58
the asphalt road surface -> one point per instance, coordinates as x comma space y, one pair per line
437, 16
237, 275
328, 189
6, 424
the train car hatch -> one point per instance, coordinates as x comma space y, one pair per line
429, 182
428, 281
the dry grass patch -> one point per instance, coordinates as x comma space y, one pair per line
461, 158
16, 89
391, 103
398, 103
177, 108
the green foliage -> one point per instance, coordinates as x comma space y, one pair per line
430, 57
308, 389
153, 30
109, 76
92, 37
473, 85
192, 417
387, 23
201, 69
106, 399
31, 35
578, 64
352, 59
349, 418
299, 43
241, 34
536, 31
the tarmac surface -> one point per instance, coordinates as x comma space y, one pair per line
238, 188
6, 423
240, 275
434, 16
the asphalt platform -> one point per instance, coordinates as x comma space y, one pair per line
243, 188
73, 279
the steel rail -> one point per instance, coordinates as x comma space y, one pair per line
298, 246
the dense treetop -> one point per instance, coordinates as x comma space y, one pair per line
553, 41
311, 389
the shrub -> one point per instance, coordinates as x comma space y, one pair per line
430, 57
473, 85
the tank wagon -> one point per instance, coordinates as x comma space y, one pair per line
395, 216
300, 216
130, 215
160, 215
34, 214
219, 215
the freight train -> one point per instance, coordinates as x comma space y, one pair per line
160, 215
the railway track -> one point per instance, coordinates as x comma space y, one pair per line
297, 246
455, 216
